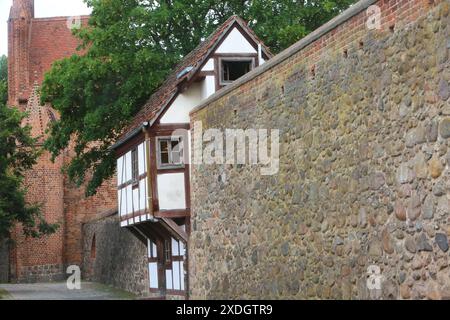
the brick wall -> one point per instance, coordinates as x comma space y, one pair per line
34, 44
51, 40
18, 39
78, 210
364, 156
32, 257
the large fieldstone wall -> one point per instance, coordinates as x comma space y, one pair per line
113, 255
364, 168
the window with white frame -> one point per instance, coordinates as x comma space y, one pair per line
170, 152
232, 69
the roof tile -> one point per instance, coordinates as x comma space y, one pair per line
169, 88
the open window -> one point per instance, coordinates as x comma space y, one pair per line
170, 152
232, 69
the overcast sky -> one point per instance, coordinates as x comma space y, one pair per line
43, 8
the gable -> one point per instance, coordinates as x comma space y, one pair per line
200, 65
235, 42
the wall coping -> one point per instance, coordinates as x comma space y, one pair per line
287, 53
103, 215
59, 18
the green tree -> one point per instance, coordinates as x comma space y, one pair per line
3, 80
131, 45
17, 154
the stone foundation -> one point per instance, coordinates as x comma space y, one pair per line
42, 273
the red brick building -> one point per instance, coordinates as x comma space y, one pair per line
34, 44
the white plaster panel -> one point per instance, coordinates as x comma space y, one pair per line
153, 275
169, 284
129, 193
128, 167
185, 102
120, 171
141, 159
171, 191
209, 65
143, 194
235, 43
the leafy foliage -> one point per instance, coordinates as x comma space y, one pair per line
3, 80
17, 154
129, 48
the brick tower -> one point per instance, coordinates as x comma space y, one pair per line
41, 259
34, 44
34, 259
20, 18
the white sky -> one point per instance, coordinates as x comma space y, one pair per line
43, 8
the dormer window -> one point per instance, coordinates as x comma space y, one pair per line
232, 69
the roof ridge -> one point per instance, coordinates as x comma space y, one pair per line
214, 33
158, 101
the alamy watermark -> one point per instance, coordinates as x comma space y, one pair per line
74, 23
255, 147
374, 17
374, 277
74, 280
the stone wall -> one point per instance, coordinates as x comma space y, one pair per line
113, 255
4, 261
364, 167
79, 209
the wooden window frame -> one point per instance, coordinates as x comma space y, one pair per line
134, 166
250, 59
171, 165
168, 253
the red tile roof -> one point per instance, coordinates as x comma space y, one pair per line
169, 89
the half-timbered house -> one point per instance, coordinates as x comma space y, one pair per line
152, 171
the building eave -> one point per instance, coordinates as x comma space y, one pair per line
129, 136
